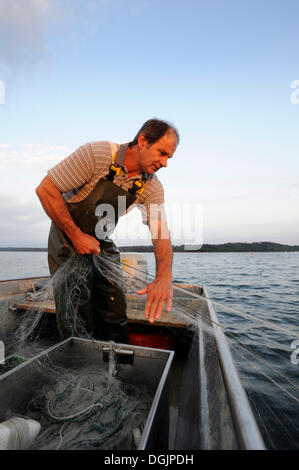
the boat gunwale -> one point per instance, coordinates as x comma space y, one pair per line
247, 430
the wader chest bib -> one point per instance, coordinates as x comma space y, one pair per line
103, 312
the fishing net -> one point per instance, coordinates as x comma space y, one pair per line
94, 409
89, 409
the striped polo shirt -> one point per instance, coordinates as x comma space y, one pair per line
77, 175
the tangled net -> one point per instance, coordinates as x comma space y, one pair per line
89, 409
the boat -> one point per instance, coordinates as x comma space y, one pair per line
206, 403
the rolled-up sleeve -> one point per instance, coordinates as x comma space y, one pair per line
152, 207
75, 170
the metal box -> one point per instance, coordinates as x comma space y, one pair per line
136, 365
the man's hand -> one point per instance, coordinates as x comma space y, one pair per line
158, 292
85, 244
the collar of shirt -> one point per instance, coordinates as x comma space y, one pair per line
120, 160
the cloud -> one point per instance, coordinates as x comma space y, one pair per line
22, 224
31, 157
23, 27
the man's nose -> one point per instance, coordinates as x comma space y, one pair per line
163, 161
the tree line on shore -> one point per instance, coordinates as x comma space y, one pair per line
205, 248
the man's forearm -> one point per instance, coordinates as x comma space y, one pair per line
159, 291
55, 207
164, 255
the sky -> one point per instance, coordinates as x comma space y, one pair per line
225, 72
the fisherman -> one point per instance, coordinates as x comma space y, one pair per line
99, 173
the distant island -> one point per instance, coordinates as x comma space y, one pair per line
206, 248
223, 247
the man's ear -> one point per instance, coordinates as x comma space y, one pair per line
142, 142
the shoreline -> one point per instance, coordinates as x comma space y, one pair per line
255, 247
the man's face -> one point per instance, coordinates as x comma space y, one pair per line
153, 157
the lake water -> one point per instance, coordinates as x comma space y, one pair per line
265, 285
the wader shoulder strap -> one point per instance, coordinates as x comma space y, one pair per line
138, 184
114, 169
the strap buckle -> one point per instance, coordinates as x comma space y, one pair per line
138, 186
115, 167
